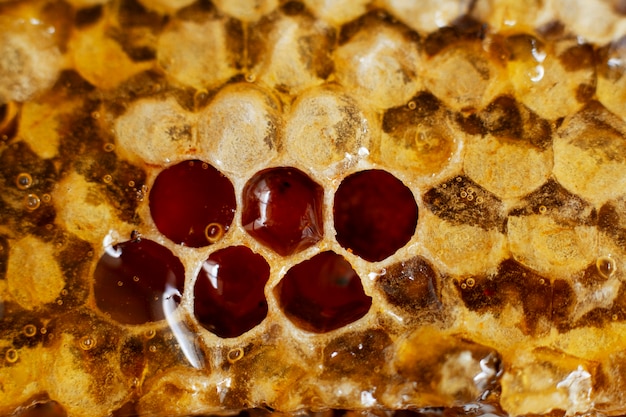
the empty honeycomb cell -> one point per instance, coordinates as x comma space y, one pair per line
550, 78
379, 62
153, 130
325, 127
192, 203
375, 214
138, 281
323, 293
419, 137
209, 58
289, 50
413, 286
590, 154
228, 293
282, 208
241, 128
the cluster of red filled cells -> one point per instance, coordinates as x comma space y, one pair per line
192, 204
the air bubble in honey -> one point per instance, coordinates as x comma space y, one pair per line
108, 147
470, 282
24, 181
214, 232
235, 355
32, 202
152, 348
606, 266
29, 330
107, 179
149, 334
11, 356
46, 198
87, 343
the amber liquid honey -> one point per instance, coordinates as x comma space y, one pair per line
384, 207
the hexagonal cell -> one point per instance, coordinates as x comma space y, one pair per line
289, 50
241, 128
590, 154
192, 203
211, 54
153, 130
460, 70
375, 214
337, 12
282, 209
429, 15
228, 293
322, 294
413, 286
553, 232
552, 79
138, 281
378, 61
419, 137
325, 127
30, 60
461, 201
246, 10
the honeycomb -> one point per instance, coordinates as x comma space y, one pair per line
335, 208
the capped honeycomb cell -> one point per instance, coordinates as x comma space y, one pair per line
246, 10
155, 129
30, 61
210, 56
326, 126
241, 128
459, 71
192, 203
282, 208
379, 62
419, 137
427, 16
554, 79
138, 281
590, 154
611, 66
323, 293
374, 214
337, 12
289, 50
554, 233
228, 293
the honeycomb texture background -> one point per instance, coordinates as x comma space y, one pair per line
506, 120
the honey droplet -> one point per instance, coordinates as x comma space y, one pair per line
235, 354
87, 343
24, 181
606, 266
32, 202
29, 330
11, 355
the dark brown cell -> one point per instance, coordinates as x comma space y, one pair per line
612, 221
516, 285
360, 354
411, 285
555, 201
461, 201
229, 296
4, 256
41, 408
578, 57
282, 208
192, 203
138, 281
322, 294
375, 214
507, 119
